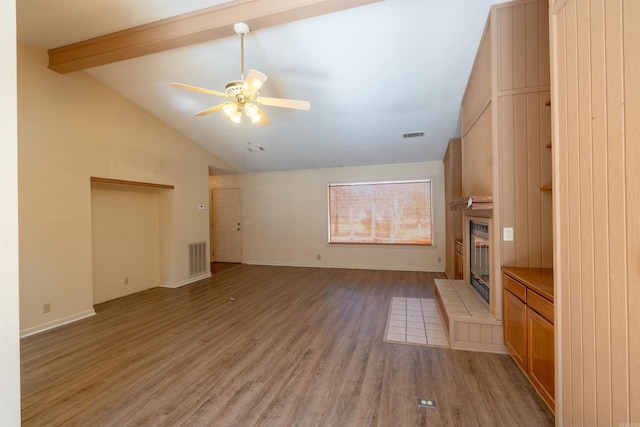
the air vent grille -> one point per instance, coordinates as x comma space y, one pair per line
197, 258
413, 135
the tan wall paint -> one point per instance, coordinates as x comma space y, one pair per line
9, 272
72, 127
596, 134
125, 224
285, 218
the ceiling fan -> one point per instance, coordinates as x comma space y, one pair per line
244, 93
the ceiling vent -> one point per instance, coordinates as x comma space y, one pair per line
255, 149
413, 135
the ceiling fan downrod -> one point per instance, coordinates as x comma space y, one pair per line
242, 30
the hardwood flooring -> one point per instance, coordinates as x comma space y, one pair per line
219, 267
297, 346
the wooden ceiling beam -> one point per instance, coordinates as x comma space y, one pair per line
191, 28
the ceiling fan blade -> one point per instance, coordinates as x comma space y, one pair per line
198, 89
210, 110
285, 103
264, 120
253, 82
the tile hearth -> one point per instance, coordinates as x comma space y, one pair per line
415, 321
467, 318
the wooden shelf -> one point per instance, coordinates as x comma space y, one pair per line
546, 187
99, 180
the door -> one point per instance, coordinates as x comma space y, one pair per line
226, 234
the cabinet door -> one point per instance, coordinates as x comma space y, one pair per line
514, 325
541, 355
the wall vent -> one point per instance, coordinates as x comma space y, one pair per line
197, 258
412, 135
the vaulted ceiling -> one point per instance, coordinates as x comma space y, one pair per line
372, 72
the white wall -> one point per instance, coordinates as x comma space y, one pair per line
72, 127
9, 338
285, 218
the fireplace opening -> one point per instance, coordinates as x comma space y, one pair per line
479, 258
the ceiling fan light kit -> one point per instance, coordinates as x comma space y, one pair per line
245, 92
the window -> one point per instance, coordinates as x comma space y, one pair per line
387, 213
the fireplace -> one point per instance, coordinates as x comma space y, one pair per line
479, 258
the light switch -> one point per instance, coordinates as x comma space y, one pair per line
507, 234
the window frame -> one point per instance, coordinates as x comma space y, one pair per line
429, 180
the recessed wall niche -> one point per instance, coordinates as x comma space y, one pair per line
126, 223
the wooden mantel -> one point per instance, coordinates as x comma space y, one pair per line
188, 29
472, 203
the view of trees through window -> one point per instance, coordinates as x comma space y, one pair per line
381, 213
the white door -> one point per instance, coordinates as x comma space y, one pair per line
225, 225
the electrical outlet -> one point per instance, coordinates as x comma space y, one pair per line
126, 280
46, 308
439, 259
424, 403
318, 257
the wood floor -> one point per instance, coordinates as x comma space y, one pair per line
297, 346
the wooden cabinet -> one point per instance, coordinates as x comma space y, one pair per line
528, 325
515, 328
459, 260
540, 343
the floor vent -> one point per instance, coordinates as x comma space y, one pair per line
197, 258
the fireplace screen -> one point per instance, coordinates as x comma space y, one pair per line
479, 258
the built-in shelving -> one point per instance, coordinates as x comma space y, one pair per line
99, 180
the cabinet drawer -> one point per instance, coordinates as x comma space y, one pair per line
514, 287
541, 305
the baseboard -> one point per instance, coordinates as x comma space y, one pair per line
187, 281
56, 323
346, 267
